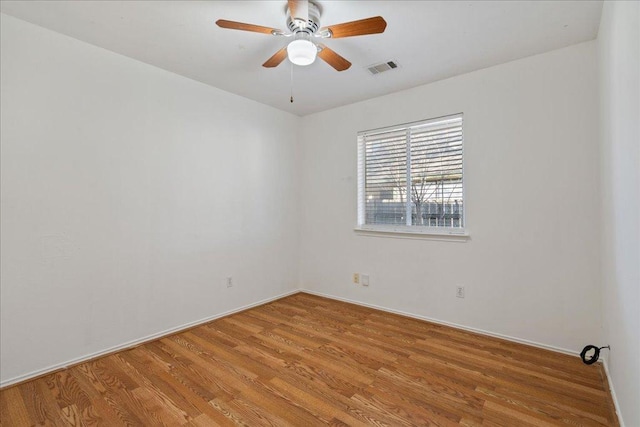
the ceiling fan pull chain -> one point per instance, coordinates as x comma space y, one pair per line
291, 86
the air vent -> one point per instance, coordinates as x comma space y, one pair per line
382, 67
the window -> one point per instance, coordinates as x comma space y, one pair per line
410, 177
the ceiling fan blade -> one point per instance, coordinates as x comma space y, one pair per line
233, 25
299, 9
333, 59
276, 59
361, 27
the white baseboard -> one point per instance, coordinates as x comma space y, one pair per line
135, 343
445, 323
613, 392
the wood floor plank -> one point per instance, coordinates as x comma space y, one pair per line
202, 421
242, 382
101, 409
150, 376
39, 404
12, 408
66, 390
72, 416
305, 360
108, 390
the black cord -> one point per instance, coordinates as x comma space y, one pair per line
590, 360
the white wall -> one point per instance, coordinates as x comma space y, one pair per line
619, 58
128, 194
531, 148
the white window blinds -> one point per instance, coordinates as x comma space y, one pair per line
411, 175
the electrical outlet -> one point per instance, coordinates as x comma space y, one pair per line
460, 291
229, 282
364, 280
356, 278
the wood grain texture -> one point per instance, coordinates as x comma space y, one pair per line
306, 360
242, 26
332, 58
373, 25
276, 59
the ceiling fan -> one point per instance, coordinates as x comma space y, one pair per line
303, 22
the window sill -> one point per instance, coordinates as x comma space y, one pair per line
446, 235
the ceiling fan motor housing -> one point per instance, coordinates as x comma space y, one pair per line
312, 24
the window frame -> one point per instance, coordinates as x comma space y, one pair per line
407, 231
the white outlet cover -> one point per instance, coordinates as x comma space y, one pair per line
364, 279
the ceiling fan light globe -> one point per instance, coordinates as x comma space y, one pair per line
302, 52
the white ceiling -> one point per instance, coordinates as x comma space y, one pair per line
431, 40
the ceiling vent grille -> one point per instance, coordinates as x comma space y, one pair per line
382, 67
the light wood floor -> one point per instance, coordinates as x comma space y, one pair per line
306, 360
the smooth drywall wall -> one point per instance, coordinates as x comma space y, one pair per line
531, 265
128, 195
619, 59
